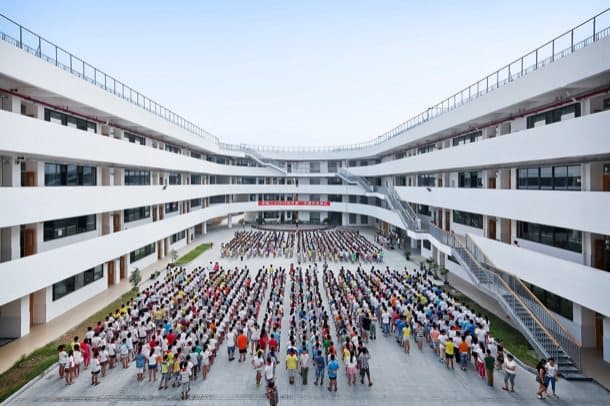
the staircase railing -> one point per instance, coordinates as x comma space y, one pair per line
354, 179
261, 161
568, 342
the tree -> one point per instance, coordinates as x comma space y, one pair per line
135, 278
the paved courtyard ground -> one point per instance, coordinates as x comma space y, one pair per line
399, 379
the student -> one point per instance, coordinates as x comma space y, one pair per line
463, 348
78, 360
406, 337
351, 367
164, 373
540, 378
140, 362
231, 345
291, 365
152, 366
269, 371
320, 364
304, 364
184, 381
103, 358
205, 362
242, 345
552, 372
124, 352
69, 369
258, 363
63, 359
363, 364
510, 371
449, 353
85, 347
272, 394
490, 363
95, 368
333, 367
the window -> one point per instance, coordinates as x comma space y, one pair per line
135, 139
61, 228
364, 219
196, 179
352, 199
426, 179
141, 252
137, 177
426, 148
553, 116
314, 218
177, 237
172, 148
468, 219
171, 207
314, 198
314, 181
468, 138
196, 155
553, 302
352, 218
69, 175
426, 244
69, 285
553, 236
314, 167
470, 179
175, 179
195, 202
550, 177
69, 121
136, 214
607, 104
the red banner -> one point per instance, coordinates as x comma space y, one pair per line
292, 203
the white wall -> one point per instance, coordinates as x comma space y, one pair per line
567, 209
585, 136
72, 300
584, 285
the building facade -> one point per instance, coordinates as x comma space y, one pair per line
506, 184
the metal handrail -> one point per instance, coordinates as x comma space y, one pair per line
498, 280
568, 341
37, 46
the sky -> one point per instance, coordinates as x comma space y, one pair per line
299, 73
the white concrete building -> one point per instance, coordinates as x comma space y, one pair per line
505, 183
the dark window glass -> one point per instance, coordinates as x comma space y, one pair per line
553, 236
69, 285
546, 178
137, 177
136, 214
560, 174
172, 207
61, 228
69, 175
136, 139
552, 302
532, 178
573, 178
70, 121
142, 252
468, 219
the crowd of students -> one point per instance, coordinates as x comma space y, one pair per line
313, 246
173, 329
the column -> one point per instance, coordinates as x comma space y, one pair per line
230, 220
205, 228
584, 321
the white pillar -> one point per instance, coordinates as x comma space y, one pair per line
205, 228
230, 220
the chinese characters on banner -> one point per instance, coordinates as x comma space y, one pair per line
292, 203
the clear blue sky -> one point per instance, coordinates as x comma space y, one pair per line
299, 73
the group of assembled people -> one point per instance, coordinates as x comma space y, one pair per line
312, 246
